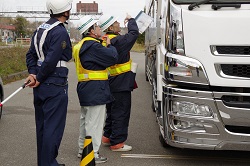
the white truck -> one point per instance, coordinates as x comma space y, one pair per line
197, 59
1, 96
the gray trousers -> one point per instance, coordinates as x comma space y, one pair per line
91, 124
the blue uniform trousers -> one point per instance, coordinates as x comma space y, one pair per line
118, 115
50, 103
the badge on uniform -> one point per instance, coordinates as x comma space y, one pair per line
64, 44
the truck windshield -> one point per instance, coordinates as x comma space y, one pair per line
221, 1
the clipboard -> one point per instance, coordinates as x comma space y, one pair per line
143, 21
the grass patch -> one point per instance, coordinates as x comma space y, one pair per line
2, 44
12, 60
138, 48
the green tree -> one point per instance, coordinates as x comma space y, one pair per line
141, 38
6, 21
31, 27
21, 25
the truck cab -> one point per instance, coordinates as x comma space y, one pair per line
199, 67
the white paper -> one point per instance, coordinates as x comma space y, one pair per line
134, 67
143, 21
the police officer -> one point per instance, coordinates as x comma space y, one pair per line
92, 59
122, 82
46, 62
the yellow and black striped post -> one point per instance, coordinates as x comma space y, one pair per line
88, 156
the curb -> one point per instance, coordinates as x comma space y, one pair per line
15, 76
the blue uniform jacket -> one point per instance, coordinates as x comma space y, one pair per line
123, 44
94, 56
57, 46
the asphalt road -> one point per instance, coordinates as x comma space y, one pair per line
18, 143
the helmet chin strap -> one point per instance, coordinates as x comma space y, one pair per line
67, 17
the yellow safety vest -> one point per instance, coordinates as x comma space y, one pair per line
84, 74
111, 36
117, 68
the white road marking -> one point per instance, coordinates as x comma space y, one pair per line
151, 156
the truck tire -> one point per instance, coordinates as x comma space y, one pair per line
154, 95
1, 108
162, 141
146, 77
156, 105
146, 64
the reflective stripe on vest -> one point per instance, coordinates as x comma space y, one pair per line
39, 47
120, 68
84, 74
117, 68
59, 63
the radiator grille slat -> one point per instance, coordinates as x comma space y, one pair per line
238, 129
236, 70
236, 50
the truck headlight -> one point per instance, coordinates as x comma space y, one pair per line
188, 125
188, 108
185, 69
182, 68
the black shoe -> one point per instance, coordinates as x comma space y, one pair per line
61, 164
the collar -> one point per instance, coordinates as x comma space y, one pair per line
92, 38
52, 20
112, 33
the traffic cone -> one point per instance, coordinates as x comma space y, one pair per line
88, 156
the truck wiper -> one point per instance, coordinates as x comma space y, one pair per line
218, 6
196, 4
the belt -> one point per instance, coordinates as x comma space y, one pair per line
59, 64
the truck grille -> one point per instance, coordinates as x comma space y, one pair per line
238, 50
238, 129
236, 70
245, 99
236, 101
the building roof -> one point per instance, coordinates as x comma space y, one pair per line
8, 27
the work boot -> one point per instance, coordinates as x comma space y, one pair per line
121, 147
105, 141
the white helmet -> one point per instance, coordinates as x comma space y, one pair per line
106, 20
86, 23
58, 6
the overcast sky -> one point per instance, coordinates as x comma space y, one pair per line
115, 7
